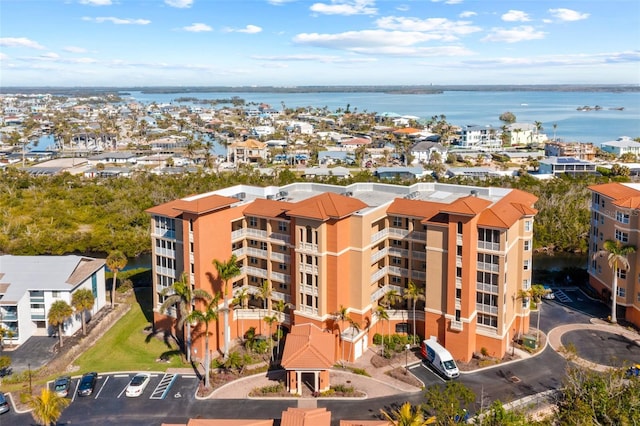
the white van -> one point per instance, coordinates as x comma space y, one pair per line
440, 358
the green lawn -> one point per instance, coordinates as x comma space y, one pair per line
127, 347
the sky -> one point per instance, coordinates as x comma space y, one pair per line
117, 43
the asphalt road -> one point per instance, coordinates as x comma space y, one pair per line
504, 382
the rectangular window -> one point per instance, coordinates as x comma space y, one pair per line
622, 274
526, 265
458, 293
459, 227
253, 221
622, 292
488, 320
94, 285
55, 294
638, 297
283, 227
527, 245
397, 222
396, 261
283, 266
623, 237
459, 250
622, 217
263, 245
527, 225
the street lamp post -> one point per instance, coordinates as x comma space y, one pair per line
406, 356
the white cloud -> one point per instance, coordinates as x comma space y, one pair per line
314, 58
83, 61
278, 2
560, 60
514, 35
180, 4
75, 49
467, 14
402, 8
568, 14
516, 16
345, 7
444, 28
379, 42
197, 28
50, 55
447, 1
97, 2
249, 29
3, 57
117, 21
20, 42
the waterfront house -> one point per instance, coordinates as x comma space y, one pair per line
474, 137
400, 172
565, 165
622, 145
248, 151
422, 151
30, 284
579, 150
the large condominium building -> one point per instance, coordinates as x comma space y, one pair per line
615, 215
325, 249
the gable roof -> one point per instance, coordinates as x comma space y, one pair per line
469, 206
197, 205
295, 416
308, 348
627, 196
509, 209
268, 208
327, 205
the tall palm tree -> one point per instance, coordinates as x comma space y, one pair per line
616, 256
406, 415
184, 296
280, 307
382, 315
59, 312
226, 271
116, 261
270, 319
412, 294
537, 291
47, 407
524, 296
341, 315
82, 301
241, 299
355, 329
264, 294
210, 313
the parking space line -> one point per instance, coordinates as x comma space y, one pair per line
123, 390
75, 391
190, 376
120, 375
102, 387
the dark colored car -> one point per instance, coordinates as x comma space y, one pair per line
4, 404
87, 384
62, 385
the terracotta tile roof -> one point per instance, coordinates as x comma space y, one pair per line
327, 205
414, 208
249, 143
167, 209
506, 211
622, 195
468, 205
306, 417
356, 141
86, 267
308, 348
204, 204
407, 131
268, 208
364, 423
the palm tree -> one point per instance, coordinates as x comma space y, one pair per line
241, 299
183, 295
412, 294
406, 415
47, 408
523, 295
82, 301
355, 328
341, 315
59, 312
616, 256
382, 315
270, 319
226, 271
116, 261
210, 313
280, 308
264, 294
536, 292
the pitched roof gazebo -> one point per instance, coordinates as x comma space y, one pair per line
308, 350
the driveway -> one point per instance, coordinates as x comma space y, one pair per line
35, 352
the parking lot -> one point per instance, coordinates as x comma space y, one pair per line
113, 386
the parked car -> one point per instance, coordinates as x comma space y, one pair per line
137, 385
62, 385
4, 404
549, 293
87, 384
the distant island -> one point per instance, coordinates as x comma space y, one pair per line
384, 89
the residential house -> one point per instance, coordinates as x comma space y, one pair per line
579, 150
401, 172
615, 215
117, 157
622, 145
422, 152
248, 151
524, 134
29, 285
565, 165
484, 137
323, 247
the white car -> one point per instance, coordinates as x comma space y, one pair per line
137, 385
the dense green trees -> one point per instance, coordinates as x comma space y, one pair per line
70, 214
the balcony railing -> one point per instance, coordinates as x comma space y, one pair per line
486, 245
379, 255
380, 235
393, 251
163, 233
280, 257
280, 277
486, 309
418, 236
418, 275
307, 247
396, 270
256, 252
308, 289
305, 267
285, 238
380, 273
276, 295
487, 288
493, 267
398, 233
239, 252
256, 272
458, 282
166, 252
308, 310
